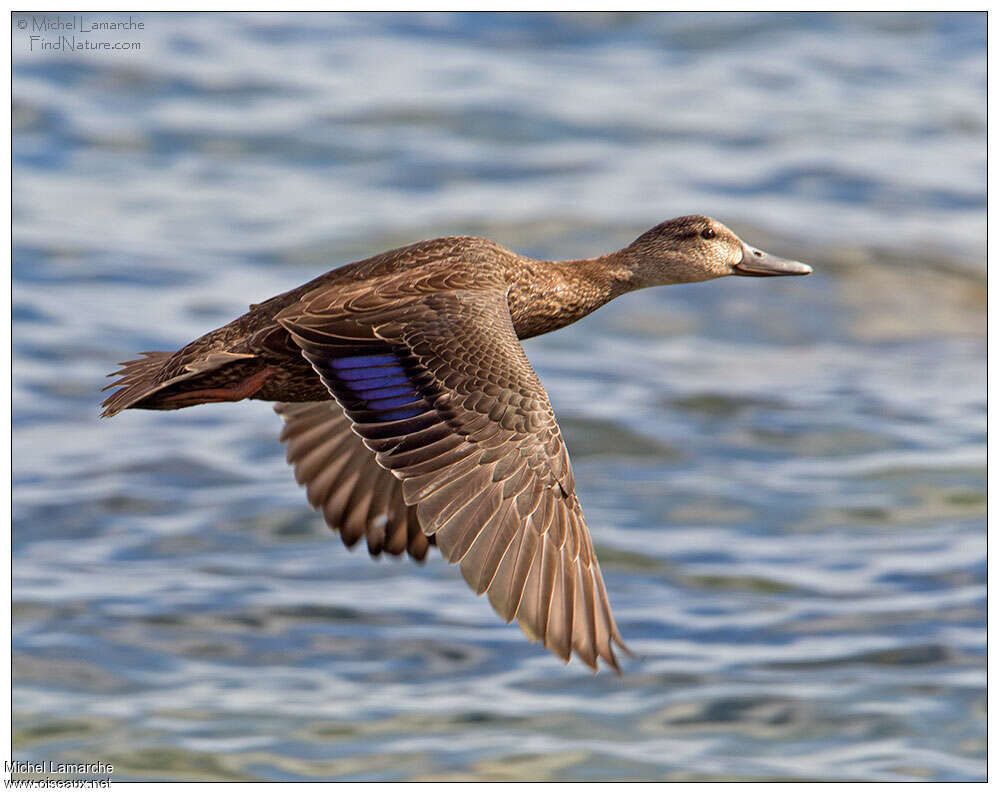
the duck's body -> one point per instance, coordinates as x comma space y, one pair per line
542, 296
414, 418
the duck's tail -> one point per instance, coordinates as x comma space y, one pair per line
139, 378
165, 381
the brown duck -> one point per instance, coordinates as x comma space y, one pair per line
413, 417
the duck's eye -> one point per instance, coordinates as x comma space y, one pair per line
708, 233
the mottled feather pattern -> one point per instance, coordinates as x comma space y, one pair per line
438, 430
479, 454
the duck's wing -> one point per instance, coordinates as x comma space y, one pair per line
357, 497
442, 393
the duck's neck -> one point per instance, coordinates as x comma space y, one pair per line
545, 296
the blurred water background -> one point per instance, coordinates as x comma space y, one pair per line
785, 479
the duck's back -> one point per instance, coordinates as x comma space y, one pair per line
431, 265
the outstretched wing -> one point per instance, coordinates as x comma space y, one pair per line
442, 393
356, 496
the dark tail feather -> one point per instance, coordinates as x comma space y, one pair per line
139, 378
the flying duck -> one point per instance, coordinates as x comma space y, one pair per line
414, 419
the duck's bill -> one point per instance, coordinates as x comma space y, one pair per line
759, 263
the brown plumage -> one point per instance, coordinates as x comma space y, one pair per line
413, 417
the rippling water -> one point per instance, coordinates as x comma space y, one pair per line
785, 479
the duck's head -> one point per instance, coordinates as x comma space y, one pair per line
698, 248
